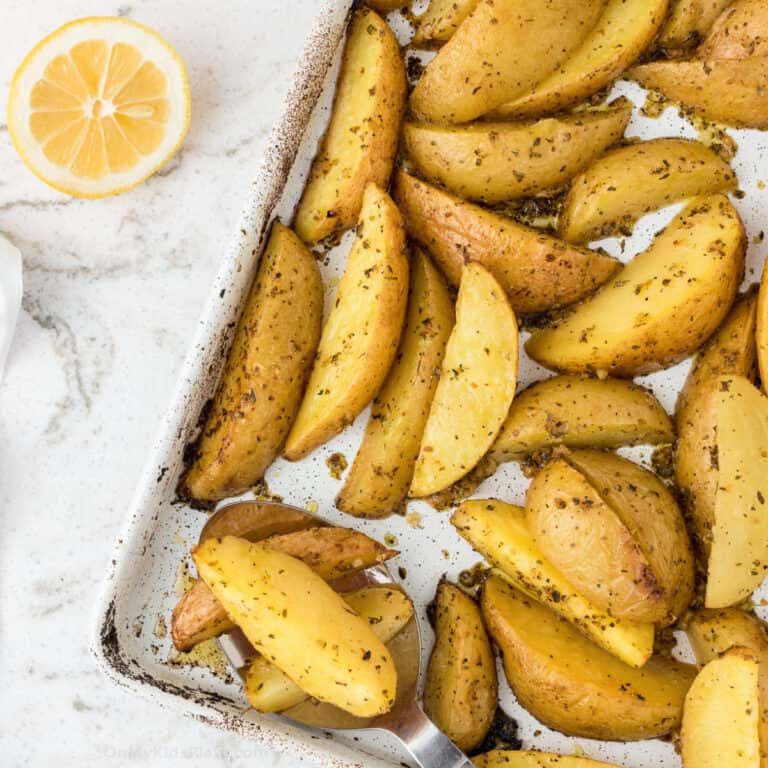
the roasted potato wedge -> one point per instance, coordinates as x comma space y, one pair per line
360, 144
505, 758
573, 686
331, 552
500, 533
292, 617
494, 162
489, 60
537, 271
579, 413
624, 30
721, 719
739, 32
386, 6
661, 306
360, 337
617, 533
381, 474
460, 691
441, 20
256, 520
477, 383
265, 373
761, 330
634, 180
688, 22
729, 91
712, 632
387, 611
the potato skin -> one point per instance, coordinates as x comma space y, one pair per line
538, 272
494, 162
381, 474
661, 306
361, 141
265, 374
688, 21
441, 19
505, 758
581, 412
460, 690
570, 684
489, 60
631, 181
739, 32
712, 632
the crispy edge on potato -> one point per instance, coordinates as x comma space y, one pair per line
361, 334
581, 412
500, 51
504, 758
476, 387
441, 19
688, 22
294, 619
265, 374
625, 29
494, 162
361, 141
661, 306
331, 552
499, 532
381, 474
572, 685
460, 690
740, 31
538, 272
633, 180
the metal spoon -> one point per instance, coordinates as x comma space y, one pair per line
422, 739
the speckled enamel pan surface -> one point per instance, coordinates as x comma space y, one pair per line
130, 637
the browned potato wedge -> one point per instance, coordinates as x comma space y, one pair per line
504, 758
537, 271
256, 520
386, 6
360, 337
441, 20
573, 686
761, 331
361, 142
489, 59
713, 632
331, 552
460, 691
293, 618
500, 533
477, 383
721, 719
387, 610
689, 21
623, 32
381, 474
265, 374
580, 413
739, 32
661, 306
633, 180
617, 533
729, 91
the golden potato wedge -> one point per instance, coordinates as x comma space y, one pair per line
291, 616
441, 20
505, 758
494, 162
631, 181
490, 60
537, 271
360, 144
477, 383
688, 22
712, 632
761, 330
500, 533
739, 32
331, 552
460, 690
265, 373
625, 29
729, 91
387, 610
661, 306
580, 413
360, 337
381, 474
572, 685
721, 718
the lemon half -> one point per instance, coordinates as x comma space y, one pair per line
98, 106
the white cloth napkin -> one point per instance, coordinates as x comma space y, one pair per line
10, 296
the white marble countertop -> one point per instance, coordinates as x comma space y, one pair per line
113, 290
